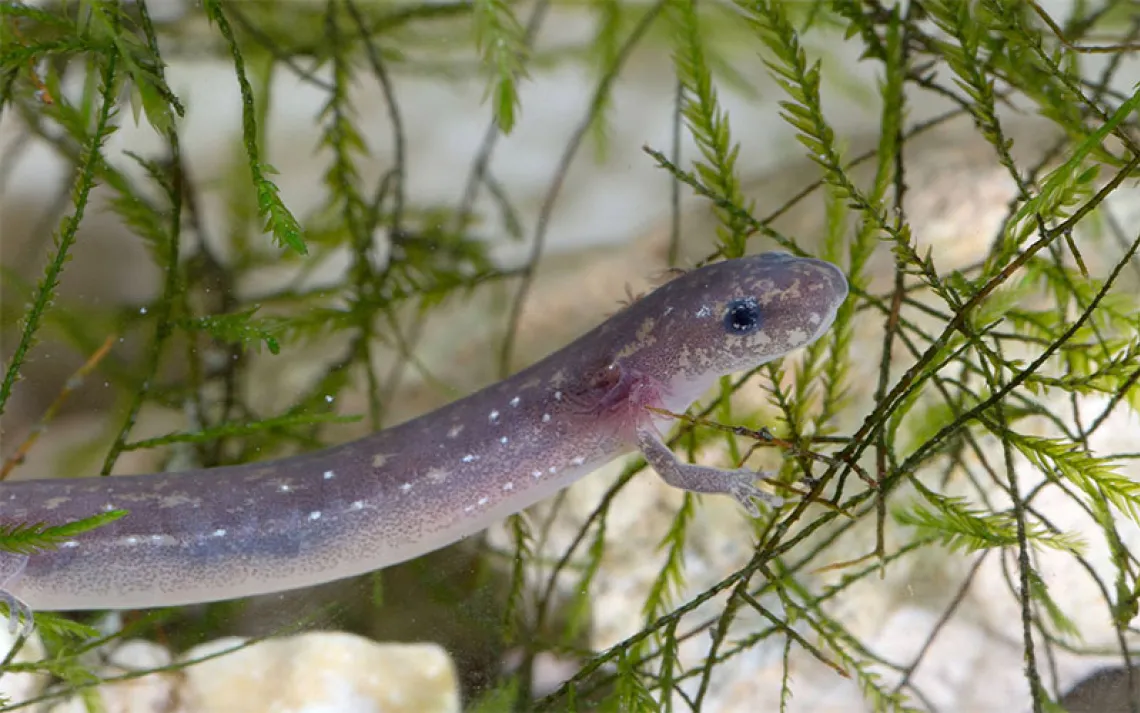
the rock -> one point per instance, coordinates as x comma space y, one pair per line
317, 672
152, 693
1105, 691
320, 672
16, 687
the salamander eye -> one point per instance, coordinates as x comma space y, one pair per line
742, 316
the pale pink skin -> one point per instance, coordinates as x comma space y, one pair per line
222, 533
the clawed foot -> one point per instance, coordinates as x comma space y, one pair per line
740, 485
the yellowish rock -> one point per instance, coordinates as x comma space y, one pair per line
320, 672
156, 692
15, 687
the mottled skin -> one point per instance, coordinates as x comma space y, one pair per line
221, 533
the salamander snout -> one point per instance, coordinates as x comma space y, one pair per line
832, 276
773, 303
731, 316
798, 294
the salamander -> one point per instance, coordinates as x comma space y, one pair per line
235, 531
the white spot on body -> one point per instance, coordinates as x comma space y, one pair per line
578, 460
406, 487
69, 544
483, 501
508, 486
494, 416
357, 504
503, 440
455, 431
379, 460
537, 474
329, 475
515, 402
814, 318
315, 515
435, 475
553, 469
285, 488
469, 458
703, 312
557, 395
218, 533
546, 418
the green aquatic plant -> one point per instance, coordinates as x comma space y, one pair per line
979, 354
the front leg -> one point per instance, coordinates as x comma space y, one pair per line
703, 479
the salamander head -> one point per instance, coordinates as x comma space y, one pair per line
732, 316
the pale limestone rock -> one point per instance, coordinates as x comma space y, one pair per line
320, 672
956, 653
1070, 584
317, 672
152, 693
753, 682
16, 687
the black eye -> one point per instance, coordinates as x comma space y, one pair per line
742, 316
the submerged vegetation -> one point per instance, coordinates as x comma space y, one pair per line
1020, 358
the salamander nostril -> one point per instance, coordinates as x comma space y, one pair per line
742, 316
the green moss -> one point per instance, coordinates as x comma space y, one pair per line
1031, 294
